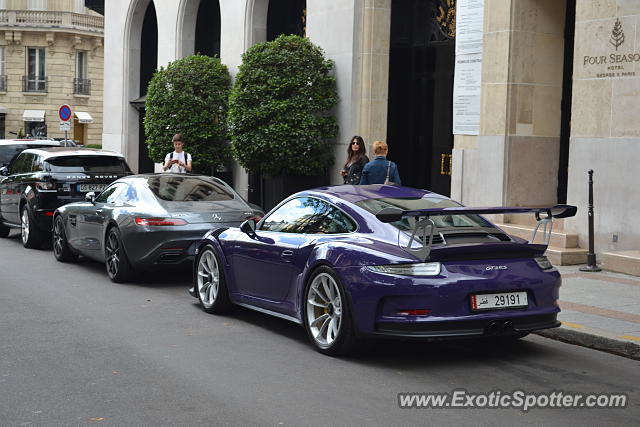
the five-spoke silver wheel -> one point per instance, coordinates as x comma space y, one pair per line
31, 236
324, 309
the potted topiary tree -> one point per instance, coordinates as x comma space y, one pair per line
280, 120
190, 97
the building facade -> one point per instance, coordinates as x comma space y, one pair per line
495, 102
51, 53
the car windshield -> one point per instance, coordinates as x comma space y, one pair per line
88, 164
407, 224
188, 188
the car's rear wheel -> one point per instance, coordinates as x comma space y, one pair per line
61, 249
327, 317
31, 237
116, 261
210, 283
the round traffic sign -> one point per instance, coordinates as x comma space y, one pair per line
64, 113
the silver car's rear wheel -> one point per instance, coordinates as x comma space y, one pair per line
210, 284
116, 261
327, 314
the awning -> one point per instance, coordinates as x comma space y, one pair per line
3, 110
33, 116
84, 117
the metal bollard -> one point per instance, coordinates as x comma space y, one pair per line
591, 256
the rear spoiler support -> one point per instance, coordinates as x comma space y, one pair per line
423, 221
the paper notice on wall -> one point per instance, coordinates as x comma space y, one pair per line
469, 26
466, 94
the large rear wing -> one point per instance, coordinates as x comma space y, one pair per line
544, 218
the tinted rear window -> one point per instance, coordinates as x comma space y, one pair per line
180, 189
88, 164
406, 224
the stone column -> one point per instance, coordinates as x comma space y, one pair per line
514, 160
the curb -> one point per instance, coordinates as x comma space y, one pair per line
595, 341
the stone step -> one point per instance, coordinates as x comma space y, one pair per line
559, 239
627, 262
529, 220
566, 256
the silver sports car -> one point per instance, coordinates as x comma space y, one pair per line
146, 221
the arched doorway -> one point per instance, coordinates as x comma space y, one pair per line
141, 61
208, 28
420, 107
148, 65
286, 17
280, 17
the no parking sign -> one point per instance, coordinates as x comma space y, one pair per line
65, 115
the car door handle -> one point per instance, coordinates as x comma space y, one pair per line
98, 211
286, 254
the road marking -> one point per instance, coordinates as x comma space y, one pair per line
630, 337
572, 325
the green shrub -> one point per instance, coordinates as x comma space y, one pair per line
279, 108
190, 97
98, 146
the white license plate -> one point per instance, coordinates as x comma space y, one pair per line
85, 188
498, 301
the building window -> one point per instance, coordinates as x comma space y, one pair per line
81, 84
35, 80
37, 5
3, 4
3, 75
2, 120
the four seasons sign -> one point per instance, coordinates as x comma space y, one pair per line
616, 62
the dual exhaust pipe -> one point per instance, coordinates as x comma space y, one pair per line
499, 327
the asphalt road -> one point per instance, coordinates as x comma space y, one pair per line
76, 349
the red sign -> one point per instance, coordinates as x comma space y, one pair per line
64, 113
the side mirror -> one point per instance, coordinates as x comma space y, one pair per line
90, 197
248, 227
4, 171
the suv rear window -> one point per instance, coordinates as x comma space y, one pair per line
89, 164
188, 188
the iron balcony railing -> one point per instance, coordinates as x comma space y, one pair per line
35, 84
3, 83
82, 86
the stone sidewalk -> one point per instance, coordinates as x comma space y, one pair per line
599, 310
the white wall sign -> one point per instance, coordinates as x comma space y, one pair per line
467, 83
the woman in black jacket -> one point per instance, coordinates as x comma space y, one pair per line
356, 159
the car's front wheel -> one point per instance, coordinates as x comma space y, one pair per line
61, 249
31, 237
117, 263
210, 284
327, 317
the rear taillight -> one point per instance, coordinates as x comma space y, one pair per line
160, 221
46, 186
414, 312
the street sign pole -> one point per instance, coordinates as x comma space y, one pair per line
65, 116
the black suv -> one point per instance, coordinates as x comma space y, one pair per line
40, 180
10, 148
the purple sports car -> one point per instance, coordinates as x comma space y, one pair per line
363, 261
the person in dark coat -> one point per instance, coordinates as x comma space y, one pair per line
356, 159
380, 170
